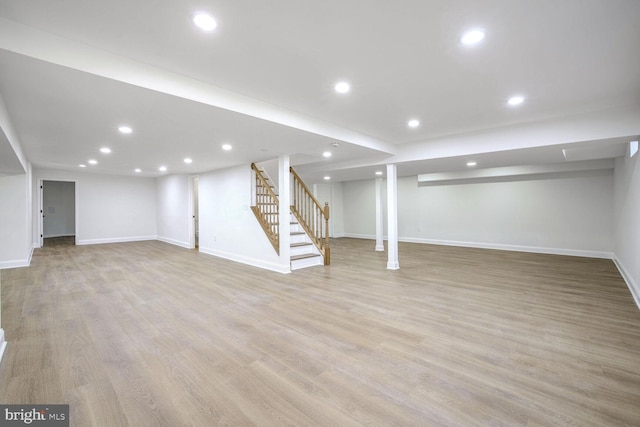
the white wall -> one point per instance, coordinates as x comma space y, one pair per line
59, 206
359, 208
174, 213
228, 227
108, 208
3, 342
15, 221
322, 193
15, 201
626, 220
326, 193
570, 216
337, 210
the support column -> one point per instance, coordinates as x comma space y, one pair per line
379, 220
284, 199
392, 217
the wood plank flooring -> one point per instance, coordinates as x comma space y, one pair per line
149, 334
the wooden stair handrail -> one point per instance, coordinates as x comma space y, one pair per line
312, 216
308, 192
267, 209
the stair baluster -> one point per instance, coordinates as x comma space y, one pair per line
267, 208
313, 217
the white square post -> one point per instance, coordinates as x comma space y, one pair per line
392, 217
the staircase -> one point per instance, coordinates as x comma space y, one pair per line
305, 250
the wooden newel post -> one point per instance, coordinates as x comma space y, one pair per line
327, 250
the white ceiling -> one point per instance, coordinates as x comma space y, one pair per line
71, 71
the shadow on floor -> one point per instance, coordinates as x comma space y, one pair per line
59, 241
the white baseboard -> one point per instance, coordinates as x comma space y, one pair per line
631, 284
115, 240
3, 344
496, 246
18, 262
185, 245
246, 260
360, 236
514, 248
59, 235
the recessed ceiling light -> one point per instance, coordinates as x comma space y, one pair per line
105, 150
162, 168
137, 170
93, 162
226, 147
125, 129
326, 154
335, 144
378, 173
471, 164
472, 37
188, 160
82, 166
204, 21
327, 178
342, 87
515, 100
413, 123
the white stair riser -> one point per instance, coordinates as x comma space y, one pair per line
301, 250
299, 238
306, 262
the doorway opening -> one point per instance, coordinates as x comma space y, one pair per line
58, 213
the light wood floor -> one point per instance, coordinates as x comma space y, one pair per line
145, 333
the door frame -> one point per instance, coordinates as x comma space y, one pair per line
41, 208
